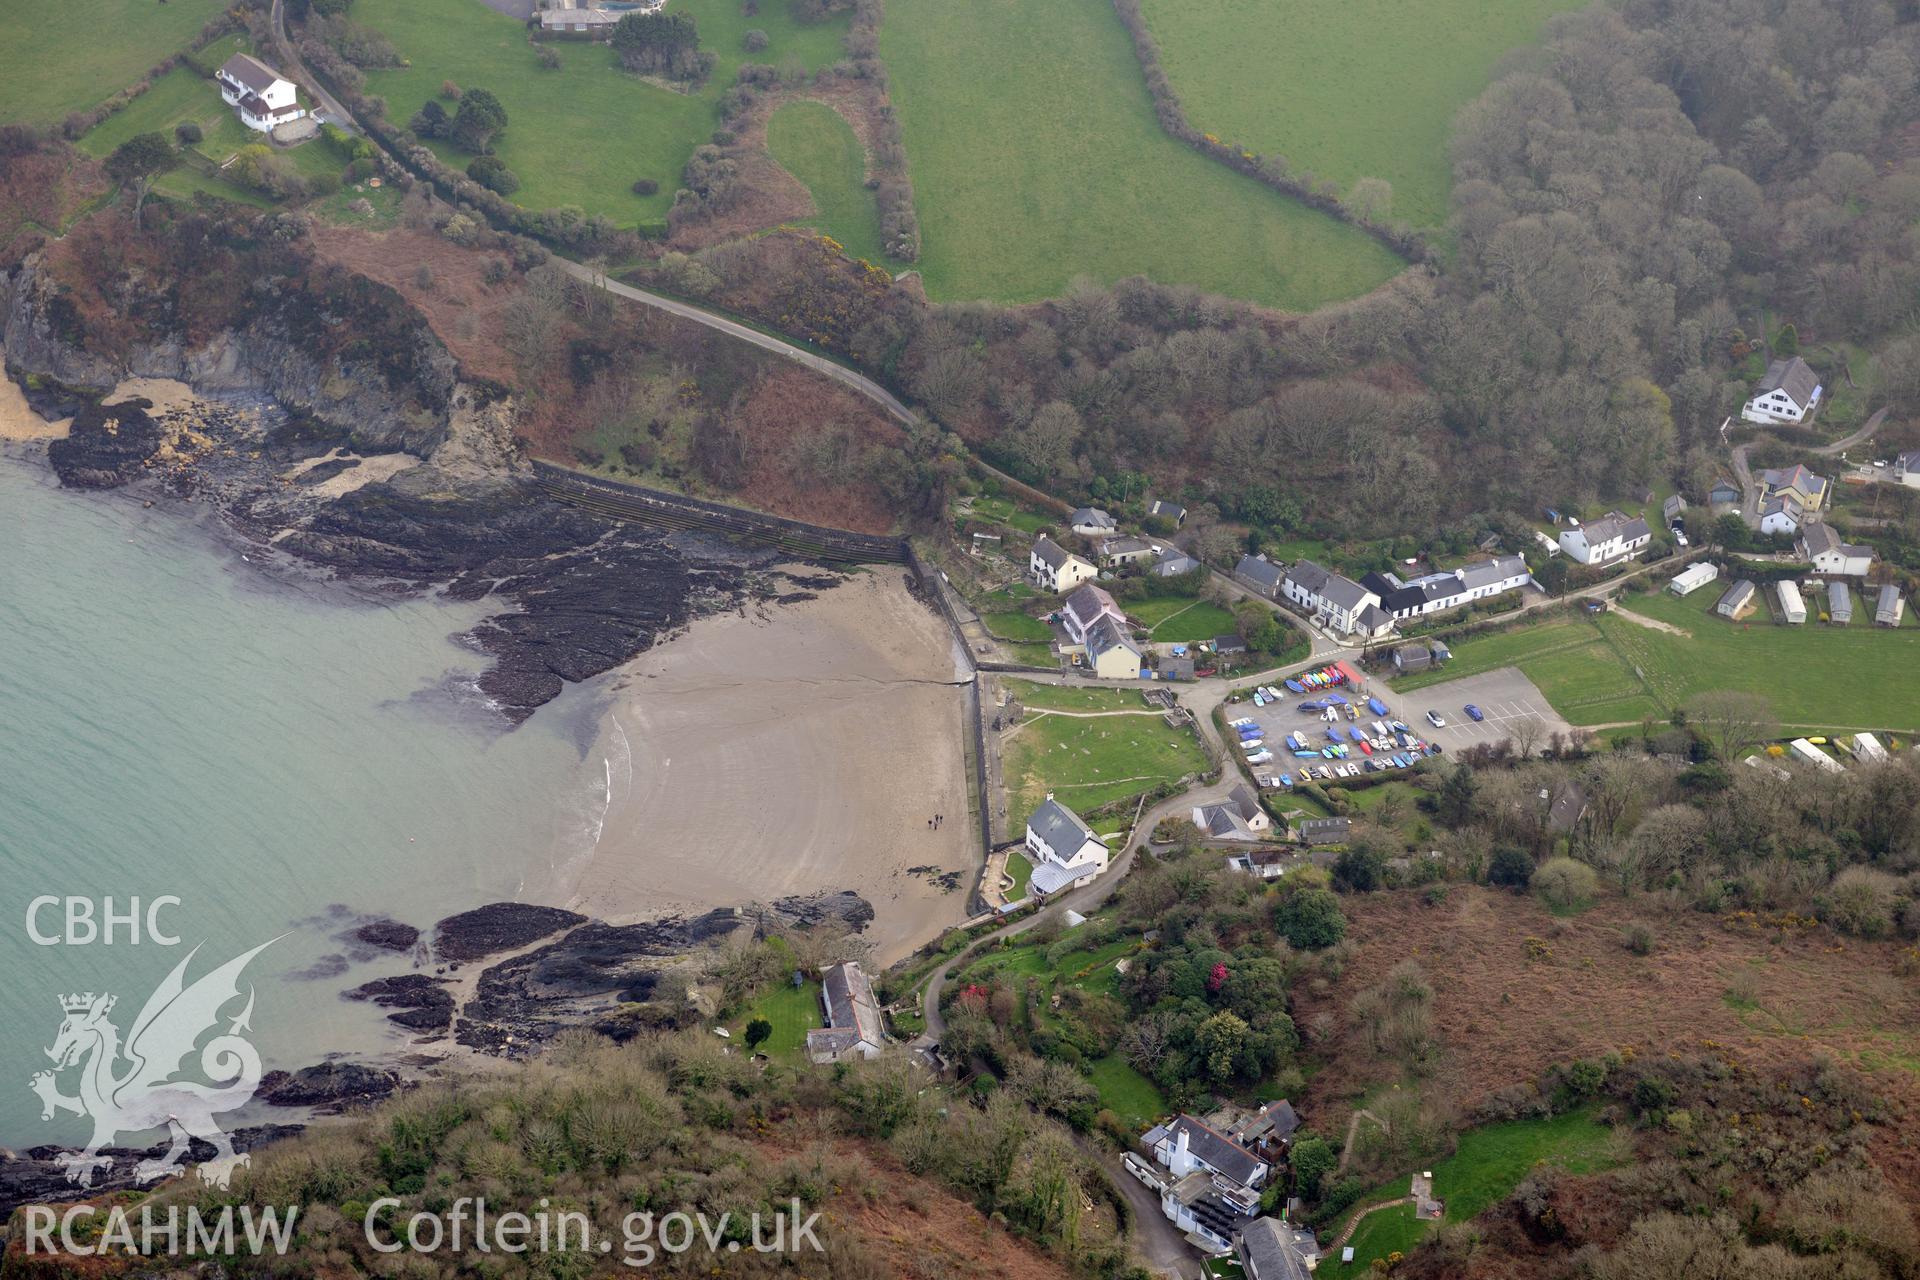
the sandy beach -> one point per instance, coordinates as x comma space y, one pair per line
18, 421
787, 751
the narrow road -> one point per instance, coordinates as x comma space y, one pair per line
290, 65
1866, 432
766, 342
1157, 1241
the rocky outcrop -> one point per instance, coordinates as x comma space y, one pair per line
497, 927
387, 935
328, 1087
33, 1177
418, 1002
107, 445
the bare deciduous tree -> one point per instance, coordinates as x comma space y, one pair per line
1733, 722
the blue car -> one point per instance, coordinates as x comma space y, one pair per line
1473, 713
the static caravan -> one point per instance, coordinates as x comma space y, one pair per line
1793, 610
1804, 750
1693, 578
1892, 607
1737, 602
1839, 603
1867, 749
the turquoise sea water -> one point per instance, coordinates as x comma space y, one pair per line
279, 755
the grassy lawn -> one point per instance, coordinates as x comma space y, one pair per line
1343, 88
1037, 158
1089, 762
1200, 621
1610, 669
793, 1011
181, 94
815, 144
1490, 1162
1022, 871
55, 59
1053, 697
184, 184
1033, 655
1016, 626
1005, 512
1125, 1092
583, 134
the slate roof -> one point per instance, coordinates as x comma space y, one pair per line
1820, 539
1091, 516
1325, 830
1672, 507
1171, 510
244, 68
1615, 525
1372, 618
1087, 603
1267, 1252
1263, 571
1173, 561
1795, 377
1219, 1152
1124, 546
1794, 477
1244, 801
850, 1005
1050, 553
1060, 827
1106, 635
1485, 573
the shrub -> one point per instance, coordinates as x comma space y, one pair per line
1359, 870
449, 90
1861, 901
754, 41
1637, 937
1510, 867
188, 132
1311, 919
549, 58
1565, 884
490, 173
646, 187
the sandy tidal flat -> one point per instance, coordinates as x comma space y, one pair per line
18, 421
788, 751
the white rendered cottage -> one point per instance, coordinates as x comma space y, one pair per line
1055, 568
1788, 393
261, 96
1612, 537
1064, 851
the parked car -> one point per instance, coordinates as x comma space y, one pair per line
1437, 720
1474, 713
1680, 538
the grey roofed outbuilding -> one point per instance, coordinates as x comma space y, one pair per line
1325, 830
1170, 510
1093, 517
1259, 569
1795, 377
1223, 1155
1051, 553
1124, 546
1060, 827
1173, 562
1267, 1252
244, 68
1672, 507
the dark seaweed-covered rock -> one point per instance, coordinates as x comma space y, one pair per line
420, 1003
329, 1086
108, 445
388, 935
496, 927
584, 979
32, 1177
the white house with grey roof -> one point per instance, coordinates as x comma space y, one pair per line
1213, 1184
261, 96
1111, 651
1065, 852
1338, 603
1168, 511
1172, 562
1269, 1249
1612, 537
1239, 817
1123, 551
1822, 547
1056, 569
854, 1027
1084, 606
1092, 522
1788, 392
1443, 592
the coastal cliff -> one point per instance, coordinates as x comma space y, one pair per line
329, 424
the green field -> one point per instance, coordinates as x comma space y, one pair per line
1198, 621
1089, 761
583, 134
792, 1010
1611, 669
1037, 159
815, 144
1055, 697
1344, 89
56, 59
1125, 1092
1488, 1165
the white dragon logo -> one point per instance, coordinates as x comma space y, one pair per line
144, 1095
